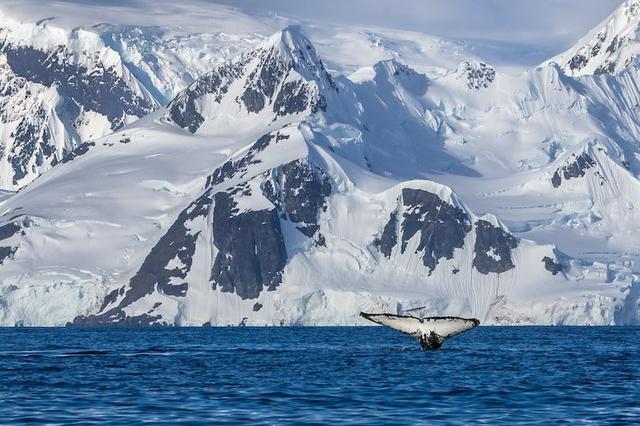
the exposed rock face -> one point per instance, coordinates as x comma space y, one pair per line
577, 62
442, 227
576, 168
283, 76
492, 251
237, 168
9, 230
169, 261
251, 252
6, 232
263, 80
612, 49
296, 97
583, 57
6, 252
551, 266
299, 190
389, 237
79, 151
594, 52
51, 100
32, 139
479, 75
183, 110
101, 89
26, 122
118, 319
251, 248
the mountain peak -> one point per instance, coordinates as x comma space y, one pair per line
609, 48
282, 78
290, 37
296, 49
289, 41
477, 75
591, 161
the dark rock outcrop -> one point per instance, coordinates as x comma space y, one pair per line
389, 238
578, 62
295, 97
263, 81
31, 138
551, 266
79, 151
7, 252
251, 250
7, 231
118, 319
492, 250
299, 190
479, 75
573, 169
182, 110
269, 79
100, 89
608, 66
442, 227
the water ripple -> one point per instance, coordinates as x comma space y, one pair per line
367, 376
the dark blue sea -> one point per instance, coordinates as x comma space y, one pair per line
318, 376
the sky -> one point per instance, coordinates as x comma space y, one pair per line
528, 31
517, 21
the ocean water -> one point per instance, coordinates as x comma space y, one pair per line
318, 376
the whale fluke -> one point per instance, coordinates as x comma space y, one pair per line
430, 332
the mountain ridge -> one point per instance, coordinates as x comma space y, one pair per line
273, 192
609, 48
58, 90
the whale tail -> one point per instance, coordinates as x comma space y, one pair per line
431, 332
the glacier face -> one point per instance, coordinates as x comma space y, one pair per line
272, 191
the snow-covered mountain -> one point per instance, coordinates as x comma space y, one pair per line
63, 85
57, 90
280, 80
608, 49
274, 189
